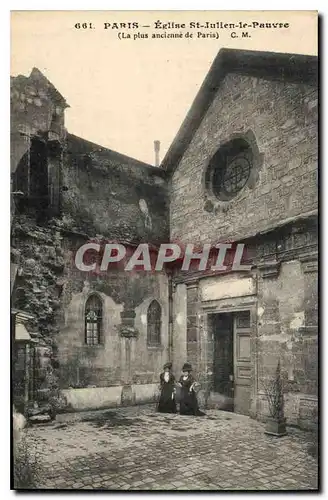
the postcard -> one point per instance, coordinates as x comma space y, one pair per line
164, 250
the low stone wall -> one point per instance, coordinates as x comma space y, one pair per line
145, 393
19, 424
96, 398
300, 410
308, 412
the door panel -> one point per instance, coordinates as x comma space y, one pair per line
242, 361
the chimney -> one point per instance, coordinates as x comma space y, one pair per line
157, 145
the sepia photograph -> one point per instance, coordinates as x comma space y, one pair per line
164, 251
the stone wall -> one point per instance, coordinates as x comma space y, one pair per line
107, 195
288, 328
281, 119
37, 108
112, 195
118, 360
281, 294
98, 193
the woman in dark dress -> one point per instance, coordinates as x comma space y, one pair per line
167, 402
188, 399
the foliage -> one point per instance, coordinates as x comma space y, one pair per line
40, 264
27, 465
38, 286
273, 389
48, 395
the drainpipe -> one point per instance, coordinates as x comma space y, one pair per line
170, 290
157, 146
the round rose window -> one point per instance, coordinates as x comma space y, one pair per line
229, 169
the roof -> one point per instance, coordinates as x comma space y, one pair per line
21, 333
271, 65
55, 94
79, 146
22, 316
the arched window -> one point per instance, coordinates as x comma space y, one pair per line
154, 321
93, 320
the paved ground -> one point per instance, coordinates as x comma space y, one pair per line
137, 449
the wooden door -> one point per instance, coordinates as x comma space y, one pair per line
242, 362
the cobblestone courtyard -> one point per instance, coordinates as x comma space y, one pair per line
137, 449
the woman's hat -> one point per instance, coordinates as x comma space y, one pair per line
187, 367
168, 365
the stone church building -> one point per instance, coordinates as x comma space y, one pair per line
242, 168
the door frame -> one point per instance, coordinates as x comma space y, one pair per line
237, 304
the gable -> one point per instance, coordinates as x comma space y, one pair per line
268, 65
279, 119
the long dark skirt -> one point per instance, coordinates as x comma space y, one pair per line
189, 403
166, 404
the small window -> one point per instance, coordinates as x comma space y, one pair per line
154, 322
93, 320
